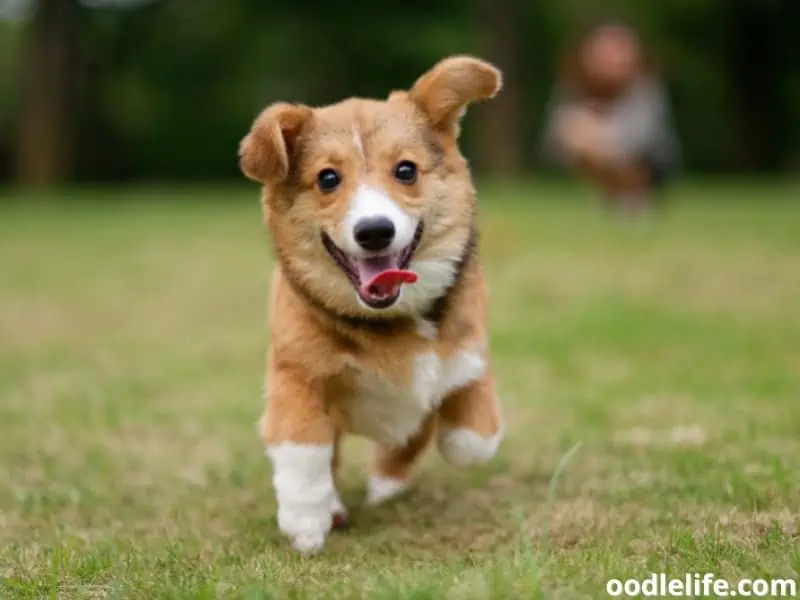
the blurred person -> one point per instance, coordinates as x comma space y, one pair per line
609, 119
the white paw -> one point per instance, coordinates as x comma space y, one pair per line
380, 489
306, 495
465, 448
305, 526
308, 543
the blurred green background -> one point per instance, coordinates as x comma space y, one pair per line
162, 90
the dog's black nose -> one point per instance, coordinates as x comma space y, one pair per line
374, 233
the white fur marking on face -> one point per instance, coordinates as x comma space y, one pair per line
305, 491
464, 448
370, 202
380, 489
357, 141
392, 413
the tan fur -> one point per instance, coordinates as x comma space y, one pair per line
265, 152
332, 359
396, 462
472, 408
446, 89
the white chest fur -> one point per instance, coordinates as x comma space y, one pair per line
392, 413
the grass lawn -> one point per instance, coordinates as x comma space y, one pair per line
650, 378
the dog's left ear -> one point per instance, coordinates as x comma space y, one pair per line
444, 92
265, 153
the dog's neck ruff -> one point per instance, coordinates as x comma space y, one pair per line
435, 313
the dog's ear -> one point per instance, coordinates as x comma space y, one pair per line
444, 92
265, 152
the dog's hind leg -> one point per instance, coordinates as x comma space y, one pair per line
470, 424
392, 469
339, 510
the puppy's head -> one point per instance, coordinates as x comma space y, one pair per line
370, 203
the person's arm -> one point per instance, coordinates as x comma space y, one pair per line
642, 124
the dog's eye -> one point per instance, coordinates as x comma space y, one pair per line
328, 180
405, 172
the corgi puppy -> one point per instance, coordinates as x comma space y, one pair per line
378, 301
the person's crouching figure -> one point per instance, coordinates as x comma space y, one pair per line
610, 120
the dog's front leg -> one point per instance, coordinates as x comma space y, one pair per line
300, 437
470, 424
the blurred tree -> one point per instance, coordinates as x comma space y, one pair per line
44, 143
50, 75
755, 61
110, 90
501, 146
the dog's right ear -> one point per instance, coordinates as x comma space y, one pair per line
445, 91
264, 153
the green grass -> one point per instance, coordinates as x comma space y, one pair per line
132, 340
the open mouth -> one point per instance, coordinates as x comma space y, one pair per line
377, 279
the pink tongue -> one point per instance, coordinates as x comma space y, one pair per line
388, 282
381, 277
